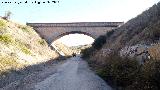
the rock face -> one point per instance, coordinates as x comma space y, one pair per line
140, 52
135, 37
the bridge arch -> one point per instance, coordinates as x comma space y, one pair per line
53, 31
72, 32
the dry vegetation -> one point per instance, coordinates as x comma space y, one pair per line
126, 73
63, 48
154, 51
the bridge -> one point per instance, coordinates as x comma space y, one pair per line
52, 31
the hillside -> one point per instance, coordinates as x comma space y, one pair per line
143, 29
78, 49
63, 48
128, 57
21, 46
68, 51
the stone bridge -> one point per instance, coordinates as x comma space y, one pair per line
52, 31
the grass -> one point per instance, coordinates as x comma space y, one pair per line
23, 47
26, 29
8, 63
7, 39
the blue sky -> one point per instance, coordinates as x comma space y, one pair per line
76, 10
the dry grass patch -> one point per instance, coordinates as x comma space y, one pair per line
6, 38
2, 24
26, 29
154, 51
23, 47
8, 63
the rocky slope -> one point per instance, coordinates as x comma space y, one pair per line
143, 29
68, 51
128, 57
63, 48
139, 32
21, 46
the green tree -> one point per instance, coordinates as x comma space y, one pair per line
7, 15
99, 42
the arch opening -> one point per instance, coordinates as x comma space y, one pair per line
72, 32
69, 43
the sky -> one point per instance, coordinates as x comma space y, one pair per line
77, 39
75, 11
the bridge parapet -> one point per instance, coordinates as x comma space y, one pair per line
78, 24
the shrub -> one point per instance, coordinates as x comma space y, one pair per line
108, 34
87, 52
127, 73
149, 77
117, 71
42, 42
99, 42
6, 38
2, 24
122, 71
25, 50
7, 15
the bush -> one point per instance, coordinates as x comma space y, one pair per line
25, 50
127, 73
87, 52
108, 34
117, 71
6, 38
2, 24
121, 71
42, 42
99, 42
149, 77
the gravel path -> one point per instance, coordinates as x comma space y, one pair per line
73, 74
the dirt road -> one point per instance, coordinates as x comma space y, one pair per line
74, 74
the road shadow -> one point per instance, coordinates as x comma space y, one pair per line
15, 75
